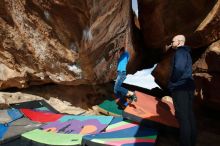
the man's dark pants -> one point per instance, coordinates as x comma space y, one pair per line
183, 104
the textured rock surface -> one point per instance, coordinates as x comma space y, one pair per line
161, 20
167, 18
162, 71
206, 72
61, 41
199, 20
207, 75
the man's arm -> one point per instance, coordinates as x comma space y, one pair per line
180, 60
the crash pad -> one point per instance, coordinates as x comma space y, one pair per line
110, 107
16, 128
78, 124
9, 115
40, 116
36, 104
68, 130
123, 133
51, 138
150, 108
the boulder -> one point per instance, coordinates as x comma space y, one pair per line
162, 19
207, 76
199, 20
63, 42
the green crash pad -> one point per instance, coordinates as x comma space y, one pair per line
51, 138
110, 107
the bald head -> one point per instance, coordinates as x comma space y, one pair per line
178, 40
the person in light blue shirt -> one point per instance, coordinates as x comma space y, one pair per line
119, 91
123, 61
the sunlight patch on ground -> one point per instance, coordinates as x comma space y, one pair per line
142, 79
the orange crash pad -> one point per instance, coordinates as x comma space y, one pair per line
150, 108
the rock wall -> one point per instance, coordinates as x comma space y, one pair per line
67, 42
160, 20
74, 42
207, 76
199, 20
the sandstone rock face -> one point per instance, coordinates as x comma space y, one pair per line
199, 20
61, 41
162, 72
161, 20
207, 75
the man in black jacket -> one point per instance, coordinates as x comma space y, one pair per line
181, 86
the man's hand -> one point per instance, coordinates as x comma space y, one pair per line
167, 47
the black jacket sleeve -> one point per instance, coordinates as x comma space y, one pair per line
179, 64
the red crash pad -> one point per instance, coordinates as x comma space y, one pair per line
38, 116
150, 108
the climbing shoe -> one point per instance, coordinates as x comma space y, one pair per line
133, 97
